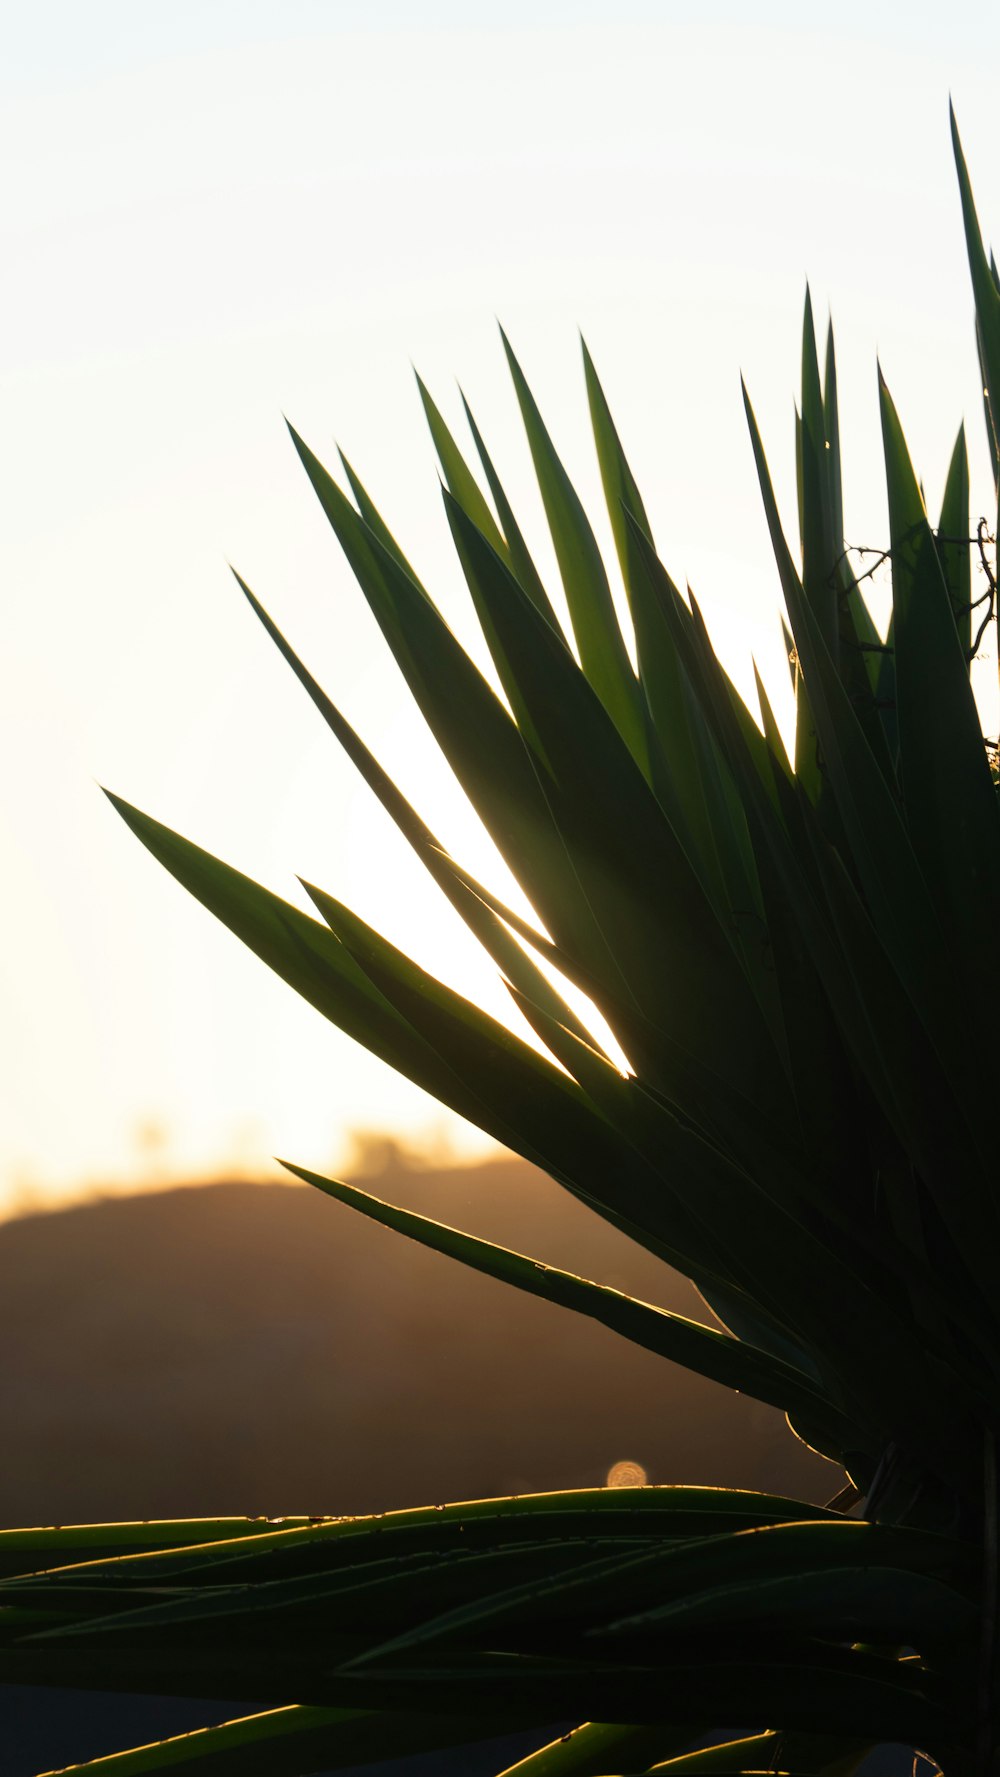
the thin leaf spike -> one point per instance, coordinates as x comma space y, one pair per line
858, 644
858, 626
820, 548
828, 585
460, 481
807, 761
373, 519
954, 547
987, 300
620, 490
603, 654
831, 420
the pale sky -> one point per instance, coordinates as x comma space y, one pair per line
216, 213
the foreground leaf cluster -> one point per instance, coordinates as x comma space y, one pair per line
797, 956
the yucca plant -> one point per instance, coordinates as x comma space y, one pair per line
798, 957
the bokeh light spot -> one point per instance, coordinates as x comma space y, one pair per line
627, 1474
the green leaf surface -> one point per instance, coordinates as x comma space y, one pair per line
856, 1603
653, 1513
344, 1611
62, 1545
717, 1576
803, 1683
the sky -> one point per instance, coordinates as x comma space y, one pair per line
217, 214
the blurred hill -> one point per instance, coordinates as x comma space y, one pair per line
261, 1349
256, 1348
